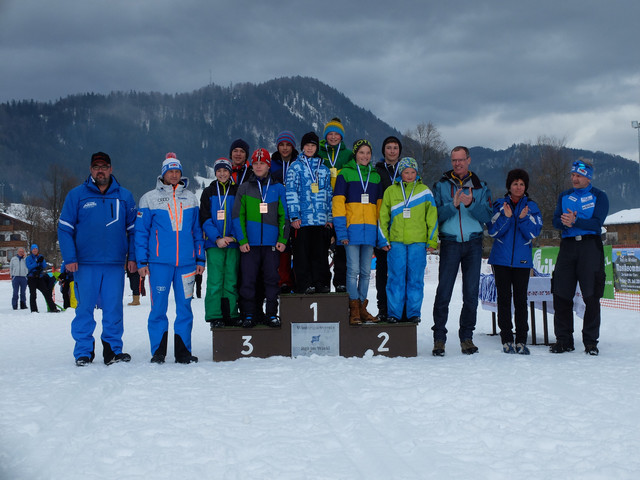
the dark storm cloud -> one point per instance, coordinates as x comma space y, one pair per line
486, 73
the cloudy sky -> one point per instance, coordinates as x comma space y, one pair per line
488, 73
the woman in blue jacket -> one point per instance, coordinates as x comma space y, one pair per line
515, 223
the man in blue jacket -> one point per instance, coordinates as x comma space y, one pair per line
95, 232
464, 206
170, 249
580, 214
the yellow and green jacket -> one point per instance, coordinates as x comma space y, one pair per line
421, 226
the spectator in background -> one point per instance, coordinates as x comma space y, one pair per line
18, 270
65, 279
38, 279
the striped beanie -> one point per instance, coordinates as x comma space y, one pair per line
286, 136
222, 162
335, 125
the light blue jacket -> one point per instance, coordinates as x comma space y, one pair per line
463, 223
312, 209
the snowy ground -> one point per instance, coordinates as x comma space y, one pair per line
483, 416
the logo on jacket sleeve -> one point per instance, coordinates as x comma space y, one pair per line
139, 214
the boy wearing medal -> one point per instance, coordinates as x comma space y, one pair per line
259, 215
309, 193
409, 222
223, 256
335, 155
356, 204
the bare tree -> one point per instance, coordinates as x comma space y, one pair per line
551, 176
430, 151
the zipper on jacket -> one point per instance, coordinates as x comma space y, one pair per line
515, 231
157, 245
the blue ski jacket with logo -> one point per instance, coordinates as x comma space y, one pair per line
96, 227
168, 227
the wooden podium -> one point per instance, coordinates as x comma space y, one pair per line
315, 324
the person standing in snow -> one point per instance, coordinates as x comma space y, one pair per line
387, 168
239, 155
516, 222
357, 198
409, 222
18, 270
223, 256
309, 193
464, 207
336, 155
170, 249
281, 160
38, 279
260, 227
579, 215
95, 232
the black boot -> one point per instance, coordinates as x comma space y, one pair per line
183, 355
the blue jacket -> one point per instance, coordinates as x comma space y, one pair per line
463, 223
35, 266
592, 206
210, 201
312, 209
168, 227
254, 227
513, 235
96, 227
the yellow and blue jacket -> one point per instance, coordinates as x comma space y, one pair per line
354, 220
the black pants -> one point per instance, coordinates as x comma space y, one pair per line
310, 264
40, 283
512, 283
134, 282
340, 267
579, 262
256, 260
381, 280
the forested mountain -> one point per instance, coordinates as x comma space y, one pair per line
137, 129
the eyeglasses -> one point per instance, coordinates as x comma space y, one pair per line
102, 167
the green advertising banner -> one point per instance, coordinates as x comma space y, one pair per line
626, 269
544, 261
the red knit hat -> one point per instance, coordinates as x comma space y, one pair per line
261, 155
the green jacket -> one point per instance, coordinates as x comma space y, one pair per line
421, 227
329, 154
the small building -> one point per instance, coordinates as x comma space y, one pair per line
13, 234
623, 227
